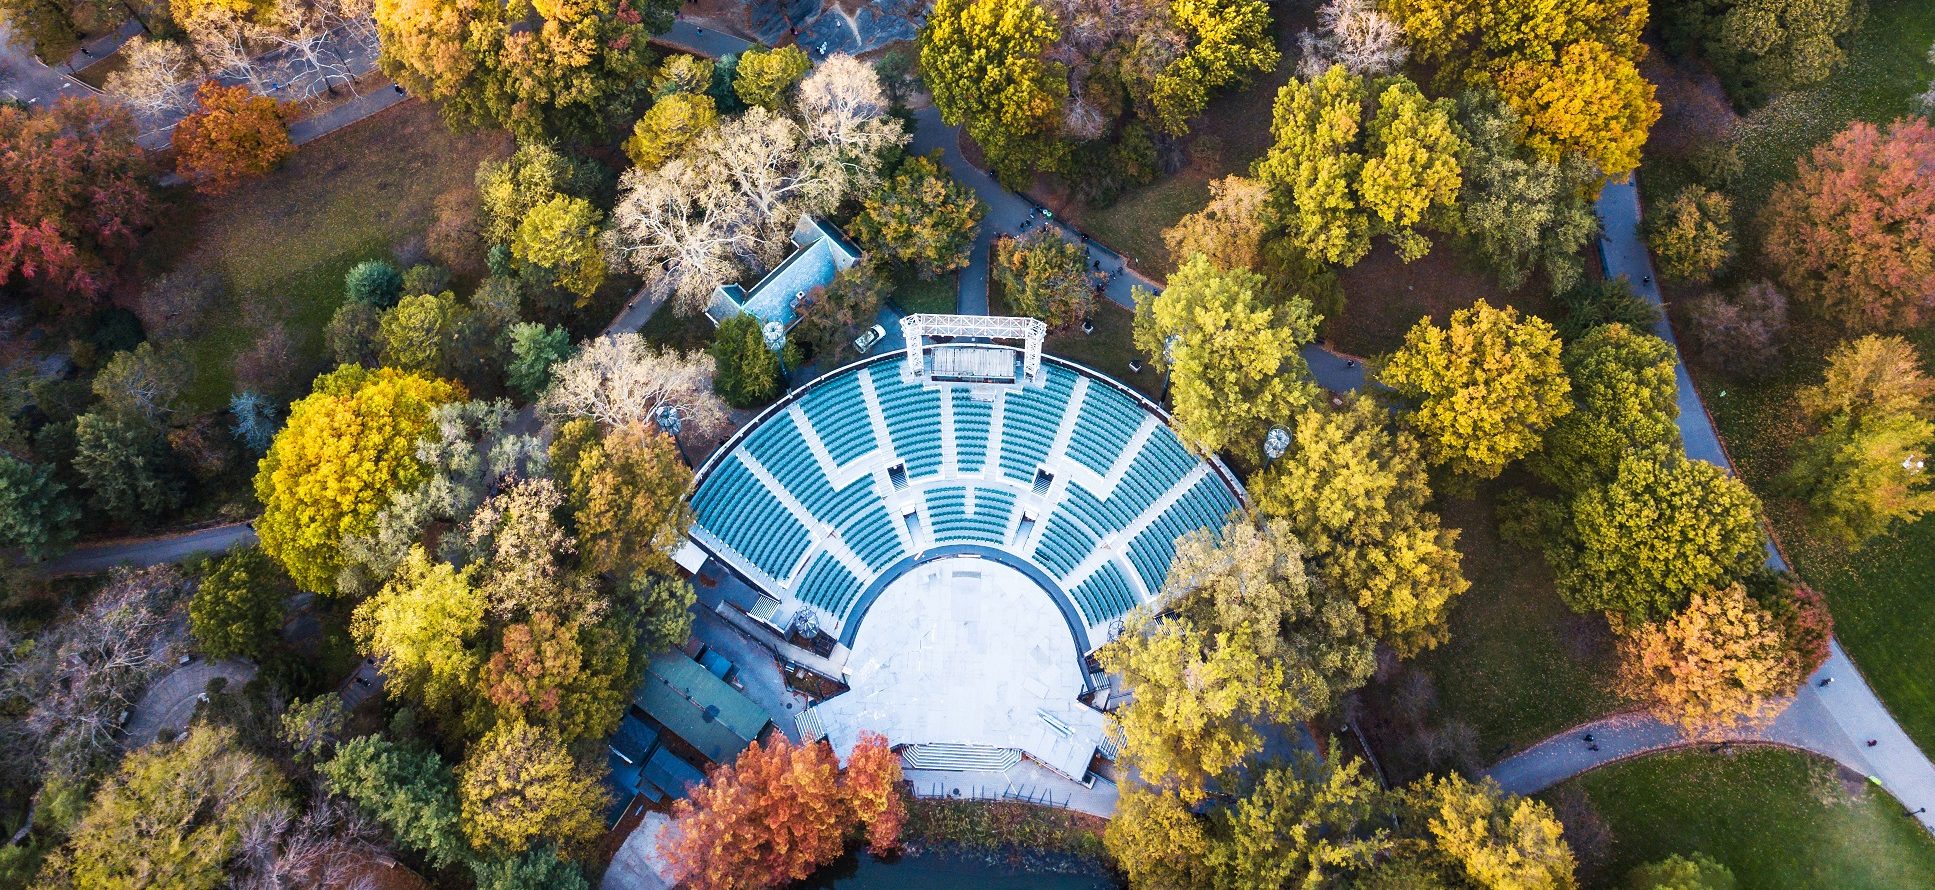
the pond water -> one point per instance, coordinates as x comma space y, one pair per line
943, 872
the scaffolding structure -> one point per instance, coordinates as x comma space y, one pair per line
917, 330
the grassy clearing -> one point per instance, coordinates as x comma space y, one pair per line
1882, 610
911, 294
1520, 666
284, 242
1777, 818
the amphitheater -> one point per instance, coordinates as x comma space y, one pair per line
969, 521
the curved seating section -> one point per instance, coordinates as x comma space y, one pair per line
821, 505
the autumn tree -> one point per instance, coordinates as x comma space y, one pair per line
773, 815
1228, 42
1762, 47
1354, 34
561, 235
1692, 235
1853, 234
1476, 834
1589, 101
1483, 390
419, 333
1249, 641
1231, 357
1662, 529
1626, 399
665, 129
1861, 469
1044, 275
233, 135
625, 489
1355, 491
1522, 211
1738, 330
871, 784
1714, 669
1157, 840
151, 78
922, 218
519, 784
238, 607
1354, 159
423, 628
566, 72
1229, 230
523, 552
74, 195
144, 383
172, 815
764, 75
352, 438
986, 62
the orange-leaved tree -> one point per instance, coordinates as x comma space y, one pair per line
1716, 666
233, 134
780, 811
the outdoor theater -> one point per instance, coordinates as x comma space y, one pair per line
968, 519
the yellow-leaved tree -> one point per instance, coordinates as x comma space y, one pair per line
347, 445
1714, 668
424, 627
1496, 840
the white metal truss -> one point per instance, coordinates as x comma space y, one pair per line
915, 329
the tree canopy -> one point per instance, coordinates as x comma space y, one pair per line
233, 134
74, 195
986, 63
1627, 400
1869, 423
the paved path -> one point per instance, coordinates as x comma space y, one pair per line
25, 78
1834, 721
1026, 782
168, 703
99, 557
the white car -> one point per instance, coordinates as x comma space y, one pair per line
869, 338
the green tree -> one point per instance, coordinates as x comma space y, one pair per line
1521, 212
346, 446
921, 218
626, 492
1627, 399
511, 188
1231, 357
748, 375
408, 789
125, 466
1676, 872
417, 334
764, 75
986, 63
237, 608
835, 315
661, 606
1483, 390
539, 868
671, 124
373, 283
423, 627
172, 816
1692, 235
35, 514
144, 382
1044, 275
1663, 529
1355, 492
1337, 179
534, 349
519, 784
1306, 823
1862, 467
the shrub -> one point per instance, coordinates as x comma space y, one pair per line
373, 283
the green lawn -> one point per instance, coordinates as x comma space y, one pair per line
1777, 818
284, 242
940, 296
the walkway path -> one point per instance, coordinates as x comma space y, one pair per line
99, 557
168, 703
1835, 721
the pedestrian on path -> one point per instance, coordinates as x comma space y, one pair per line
1873, 742
1919, 812
1592, 747
1826, 682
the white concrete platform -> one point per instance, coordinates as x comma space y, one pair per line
967, 651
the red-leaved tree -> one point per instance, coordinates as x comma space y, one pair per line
780, 811
1854, 233
74, 195
233, 134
